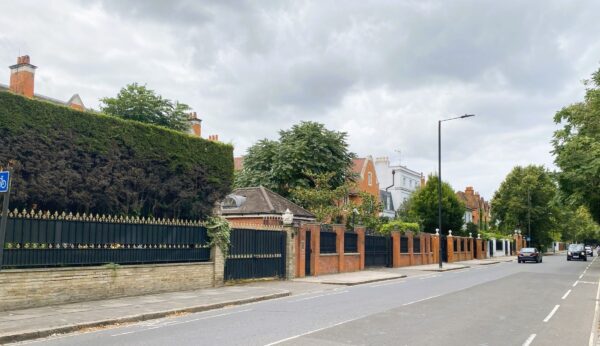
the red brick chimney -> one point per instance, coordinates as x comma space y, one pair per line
21, 77
195, 124
469, 191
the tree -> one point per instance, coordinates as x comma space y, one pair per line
576, 225
323, 200
577, 149
527, 193
423, 206
307, 148
137, 102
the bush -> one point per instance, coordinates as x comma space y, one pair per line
67, 160
397, 225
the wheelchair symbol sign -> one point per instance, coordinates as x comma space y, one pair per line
4, 179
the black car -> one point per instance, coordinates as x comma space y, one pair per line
576, 252
529, 254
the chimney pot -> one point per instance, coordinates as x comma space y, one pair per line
22, 77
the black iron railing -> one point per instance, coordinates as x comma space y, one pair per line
44, 240
350, 242
416, 245
327, 242
403, 244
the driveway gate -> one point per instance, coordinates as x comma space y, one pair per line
378, 251
444, 246
255, 254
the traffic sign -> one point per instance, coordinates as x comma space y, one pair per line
4, 181
528, 239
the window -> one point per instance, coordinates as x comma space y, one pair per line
404, 181
370, 178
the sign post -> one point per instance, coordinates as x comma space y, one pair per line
5, 191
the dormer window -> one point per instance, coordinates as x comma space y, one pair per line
233, 201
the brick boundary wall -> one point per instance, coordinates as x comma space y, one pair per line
427, 255
28, 288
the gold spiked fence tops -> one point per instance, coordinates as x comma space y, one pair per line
48, 215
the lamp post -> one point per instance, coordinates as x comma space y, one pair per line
440, 176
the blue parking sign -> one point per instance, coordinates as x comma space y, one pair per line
4, 179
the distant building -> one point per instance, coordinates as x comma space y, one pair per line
402, 181
22, 82
477, 209
366, 179
387, 204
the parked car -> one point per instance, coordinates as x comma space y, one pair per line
589, 251
529, 254
576, 252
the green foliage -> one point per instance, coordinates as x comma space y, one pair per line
284, 165
423, 205
471, 228
576, 225
322, 199
577, 149
137, 102
67, 160
511, 206
398, 225
219, 233
368, 212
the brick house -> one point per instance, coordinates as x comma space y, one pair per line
260, 206
477, 208
366, 179
22, 82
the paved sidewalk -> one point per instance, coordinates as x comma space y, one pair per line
353, 278
41, 322
436, 267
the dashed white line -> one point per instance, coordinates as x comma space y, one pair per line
429, 277
420, 300
551, 313
594, 321
310, 332
317, 296
576, 282
566, 295
393, 282
580, 276
529, 340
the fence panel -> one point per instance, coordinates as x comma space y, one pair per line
255, 254
47, 241
327, 242
377, 251
403, 244
416, 245
350, 242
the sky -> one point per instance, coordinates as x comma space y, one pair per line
384, 72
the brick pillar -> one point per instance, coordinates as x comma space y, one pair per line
290, 252
395, 249
423, 247
339, 245
411, 253
360, 231
216, 256
472, 245
301, 252
315, 247
450, 248
435, 242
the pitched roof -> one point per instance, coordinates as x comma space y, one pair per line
75, 99
357, 165
260, 200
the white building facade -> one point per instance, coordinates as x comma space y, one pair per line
401, 180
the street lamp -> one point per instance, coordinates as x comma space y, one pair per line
440, 176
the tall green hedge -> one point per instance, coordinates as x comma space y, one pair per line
85, 162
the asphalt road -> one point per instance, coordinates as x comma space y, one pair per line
549, 303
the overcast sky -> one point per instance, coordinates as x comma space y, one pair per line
382, 71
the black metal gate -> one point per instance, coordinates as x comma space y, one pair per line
491, 247
255, 254
444, 246
378, 251
307, 253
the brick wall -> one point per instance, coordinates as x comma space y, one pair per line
427, 254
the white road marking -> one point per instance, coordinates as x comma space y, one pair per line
594, 321
310, 332
429, 277
182, 322
317, 296
588, 282
576, 282
529, 340
580, 276
566, 295
420, 300
551, 313
393, 282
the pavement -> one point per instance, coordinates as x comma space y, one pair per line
77, 318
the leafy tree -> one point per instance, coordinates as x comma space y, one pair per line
399, 225
472, 228
423, 205
368, 212
511, 207
576, 225
323, 200
307, 148
577, 148
137, 102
